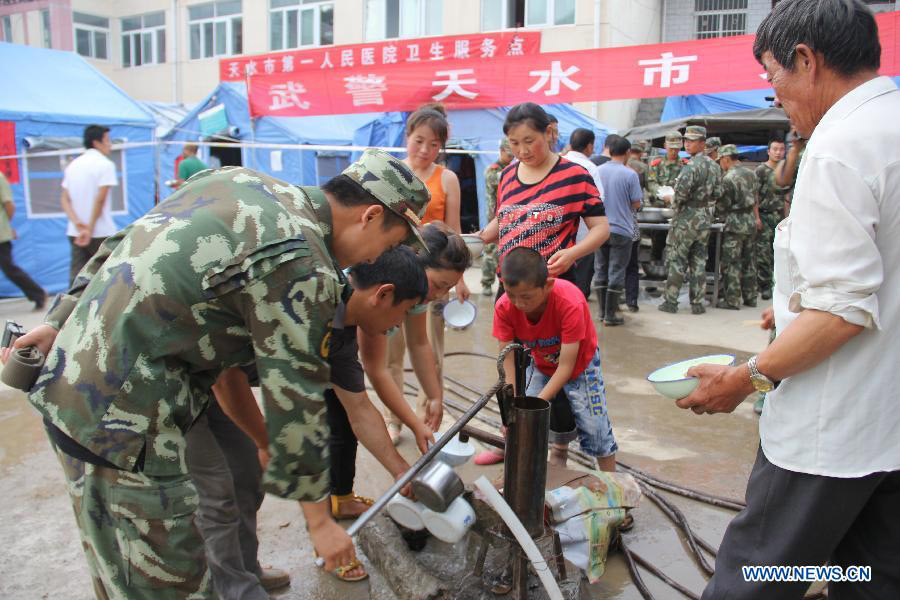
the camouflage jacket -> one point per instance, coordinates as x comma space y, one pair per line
771, 196
660, 173
739, 189
491, 183
234, 269
698, 188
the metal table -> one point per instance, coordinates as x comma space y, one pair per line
718, 229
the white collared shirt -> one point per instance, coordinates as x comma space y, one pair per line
839, 252
83, 178
580, 159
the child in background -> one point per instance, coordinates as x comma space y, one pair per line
551, 317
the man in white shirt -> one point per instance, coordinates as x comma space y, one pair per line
582, 146
85, 197
826, 484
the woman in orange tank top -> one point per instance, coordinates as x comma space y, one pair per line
427, 131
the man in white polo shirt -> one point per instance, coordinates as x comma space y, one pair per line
85, 197
826, 484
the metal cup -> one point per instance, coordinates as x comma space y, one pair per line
437, 486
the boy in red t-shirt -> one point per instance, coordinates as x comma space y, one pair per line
551, 317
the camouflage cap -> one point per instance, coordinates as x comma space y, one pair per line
394, 185
728, 150
713, 142
674, 140
695, 132
504, 144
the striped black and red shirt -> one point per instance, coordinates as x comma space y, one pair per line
545, 215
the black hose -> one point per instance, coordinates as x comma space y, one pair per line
680, 521
633, 570
653, 569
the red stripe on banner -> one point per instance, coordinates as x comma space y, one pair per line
9, 166
651, 71
481, 46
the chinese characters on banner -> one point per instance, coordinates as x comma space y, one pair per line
678, 68
379, 54
10, 166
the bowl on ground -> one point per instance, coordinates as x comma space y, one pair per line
672, 380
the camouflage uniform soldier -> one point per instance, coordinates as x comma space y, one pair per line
491, 182
736, 207
771, 212
665, 171
235, 269
712, 147
697, 188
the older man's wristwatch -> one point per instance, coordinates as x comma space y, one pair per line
760, 382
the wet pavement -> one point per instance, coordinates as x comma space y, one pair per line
41, 555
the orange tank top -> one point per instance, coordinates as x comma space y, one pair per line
437, 206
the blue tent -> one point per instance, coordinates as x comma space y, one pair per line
469, 130
51, 97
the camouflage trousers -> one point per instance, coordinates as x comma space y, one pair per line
137, 532
765, 253
739, 267
489, 266
686, 253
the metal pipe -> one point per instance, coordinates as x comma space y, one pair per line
525, 468
379, 504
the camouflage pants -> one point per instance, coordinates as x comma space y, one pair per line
686, 253
739, 267
137, 532
765, 253
489, 266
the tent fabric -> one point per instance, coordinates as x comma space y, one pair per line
56, 94
166, 114
469, 129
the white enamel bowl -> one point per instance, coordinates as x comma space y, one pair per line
672, 380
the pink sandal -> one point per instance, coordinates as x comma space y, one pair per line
488, 457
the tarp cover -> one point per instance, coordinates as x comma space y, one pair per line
56, 94
469, 129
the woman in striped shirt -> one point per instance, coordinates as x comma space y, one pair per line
542, 197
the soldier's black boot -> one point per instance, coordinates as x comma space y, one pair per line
611, 316
600, 290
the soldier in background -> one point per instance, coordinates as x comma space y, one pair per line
771, 212
663, 172
712, 148
697, 188
235, 269
737, 208
491, 181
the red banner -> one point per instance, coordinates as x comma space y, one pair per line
692, 67
10, 166
383, 54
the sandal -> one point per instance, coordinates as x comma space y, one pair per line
488, 457
342, 571
337, 501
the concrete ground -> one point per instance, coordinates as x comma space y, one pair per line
42, 558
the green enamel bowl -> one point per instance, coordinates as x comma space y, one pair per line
672, 380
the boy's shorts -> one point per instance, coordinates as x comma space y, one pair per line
587, 398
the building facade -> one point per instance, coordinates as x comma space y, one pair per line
169, 50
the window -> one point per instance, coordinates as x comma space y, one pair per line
330, 164
720, 18
144, 40
91, 35
298, 23
506, 14
44, 174
45, 28
216, 29
6, 28
387, 19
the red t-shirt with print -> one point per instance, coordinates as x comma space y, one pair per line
566, 320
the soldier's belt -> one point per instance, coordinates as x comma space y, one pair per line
22, 369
